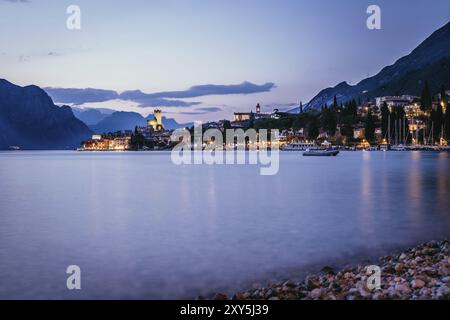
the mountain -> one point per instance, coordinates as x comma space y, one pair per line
430, 61
29, 119
119, 121
123, 120
91, 116
171, 124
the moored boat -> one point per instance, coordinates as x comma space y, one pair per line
320, 153
299, 146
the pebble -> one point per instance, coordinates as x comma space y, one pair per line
419, 273
417, 284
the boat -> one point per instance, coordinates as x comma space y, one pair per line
298, 146
15, 148
371, 149
398, 148
320, 153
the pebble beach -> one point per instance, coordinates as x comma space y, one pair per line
419, 273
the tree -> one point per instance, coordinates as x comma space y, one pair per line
329, 122
301, 107
313, 128
335, 104
384, 119
426, 99
437, 120
370, 127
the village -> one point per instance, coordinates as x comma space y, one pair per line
396, 123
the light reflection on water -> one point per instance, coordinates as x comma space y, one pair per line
141, 227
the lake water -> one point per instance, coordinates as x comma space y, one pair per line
140, 227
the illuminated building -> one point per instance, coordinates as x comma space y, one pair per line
156, 124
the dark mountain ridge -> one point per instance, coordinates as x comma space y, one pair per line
30, 120
428, 62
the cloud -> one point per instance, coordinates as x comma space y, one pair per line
214, 89
197, 111
153, 100
157, 99
209, 109
80, 96
16, 1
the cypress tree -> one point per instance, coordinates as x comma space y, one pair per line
370, 127
426, 99
384, 119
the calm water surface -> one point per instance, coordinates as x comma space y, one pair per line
140, 227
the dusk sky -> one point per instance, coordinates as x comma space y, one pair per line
287, 51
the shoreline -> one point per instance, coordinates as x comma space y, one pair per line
416, 273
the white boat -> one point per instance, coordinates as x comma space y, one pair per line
399, 147
299, 146
14, 148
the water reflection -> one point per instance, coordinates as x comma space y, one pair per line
141, 227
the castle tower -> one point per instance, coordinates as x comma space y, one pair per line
156, 123
158, 117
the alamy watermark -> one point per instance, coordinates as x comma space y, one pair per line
74, 280
239, 148
374, 20
73, 22
374, 279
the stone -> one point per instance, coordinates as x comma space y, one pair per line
399, 267
362, 289
220, 296
289, 283
417, 284
443, 293
403, 288
316, 293
328, 270
312, 282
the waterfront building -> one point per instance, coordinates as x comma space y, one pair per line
107, 143
378, 134
243, 116
247, 116
359, 132
96, 137
395, 101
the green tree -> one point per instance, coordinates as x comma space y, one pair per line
329, 121
313, 128
426, 99
437, 120
384, 119
370, 127
335, 104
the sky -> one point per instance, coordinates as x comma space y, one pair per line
205, 59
